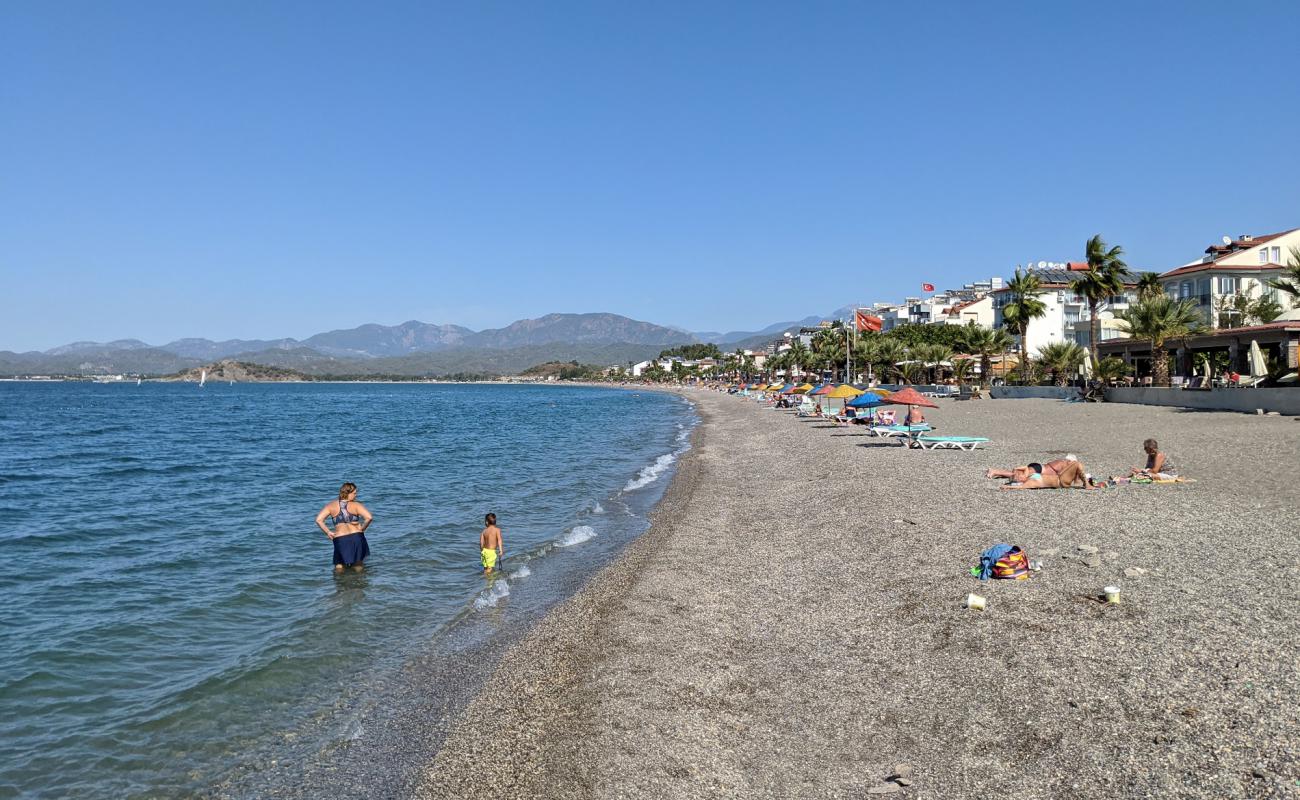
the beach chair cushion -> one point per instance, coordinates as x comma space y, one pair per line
949, 442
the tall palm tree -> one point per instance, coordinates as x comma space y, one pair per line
1103, 279
866, 348
1023, 307
889, 352
930, 356
1148, 286
828, 345
1289, 280
986, 343
1160, 319
1062, 359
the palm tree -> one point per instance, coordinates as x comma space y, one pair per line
1102, 279
1289, 280
1111, 368
961, 369
1062, 359
828, 345
986, 343
911, 371
1160, 319
889, 352
1148, 286
931, 356
798, 355
866, 350
1023, 307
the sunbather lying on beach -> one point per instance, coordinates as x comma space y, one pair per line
1059, 474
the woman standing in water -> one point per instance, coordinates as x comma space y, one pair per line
350, 519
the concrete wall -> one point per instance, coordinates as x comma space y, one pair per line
1019, 392
1286, 401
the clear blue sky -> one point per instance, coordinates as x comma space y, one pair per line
259, 169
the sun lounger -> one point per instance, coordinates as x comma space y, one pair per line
899, 430
947, 442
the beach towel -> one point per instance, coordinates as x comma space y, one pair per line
989, 559
1012, 566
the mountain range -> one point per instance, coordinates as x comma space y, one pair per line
411, 348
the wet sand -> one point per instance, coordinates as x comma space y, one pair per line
792, 625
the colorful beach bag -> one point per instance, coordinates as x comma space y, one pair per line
1012, 565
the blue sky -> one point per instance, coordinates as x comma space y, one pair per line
248, 169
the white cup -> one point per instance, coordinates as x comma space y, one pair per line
976, 602
1112, 595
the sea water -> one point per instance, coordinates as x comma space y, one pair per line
171, 612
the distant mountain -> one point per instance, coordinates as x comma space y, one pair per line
208, 349
579, 328
94, 347
378, 341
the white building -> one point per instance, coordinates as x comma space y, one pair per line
1241, 266
1067, 316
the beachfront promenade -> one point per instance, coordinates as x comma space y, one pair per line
793, 626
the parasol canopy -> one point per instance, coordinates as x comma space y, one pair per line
843, 392
909, 397
821, 389
802, 388
865, 400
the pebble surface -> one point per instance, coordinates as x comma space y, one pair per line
793, 624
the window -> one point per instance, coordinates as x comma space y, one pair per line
1277, 255
1185, 290
1203, 291
1227, 284
1263, 255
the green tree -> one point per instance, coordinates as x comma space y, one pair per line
961, 369
1023, 308
693, 352
1111, 368
986, 343
1103, 279
889, 352
1062, 359
1159, 320
1148, 286
800, 357
932, 357
1289, 280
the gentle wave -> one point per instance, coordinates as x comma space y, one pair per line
577, 535
492, 595
650, 474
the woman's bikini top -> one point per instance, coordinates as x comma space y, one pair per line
344, 515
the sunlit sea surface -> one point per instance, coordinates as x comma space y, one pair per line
170, 605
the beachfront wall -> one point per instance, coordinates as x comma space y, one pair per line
1286, 401
1021, 392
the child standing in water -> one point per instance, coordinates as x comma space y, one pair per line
490, 545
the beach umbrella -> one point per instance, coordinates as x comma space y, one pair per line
821, 389
802, 388
843, 392
908, 396
1258, 367
1086, 367
866, 400
880, 392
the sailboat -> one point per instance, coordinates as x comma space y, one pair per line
203, 378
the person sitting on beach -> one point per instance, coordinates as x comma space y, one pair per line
1061, 474
350, 519
490, 545
1159, 467
914, 416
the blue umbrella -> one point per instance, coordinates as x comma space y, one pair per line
866, 400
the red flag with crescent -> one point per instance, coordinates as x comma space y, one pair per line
866, 322
927, 287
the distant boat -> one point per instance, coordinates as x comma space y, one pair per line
203, 378
137, 381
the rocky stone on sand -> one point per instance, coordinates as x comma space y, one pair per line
888, 788
1086, 548
1134, 572
1093, 561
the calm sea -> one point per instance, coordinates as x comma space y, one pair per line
170, 612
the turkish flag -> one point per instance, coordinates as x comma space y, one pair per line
927, 287
866, 322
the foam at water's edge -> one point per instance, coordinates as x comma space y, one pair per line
651, 473
577, 535
522, 572
490, 596
598, 508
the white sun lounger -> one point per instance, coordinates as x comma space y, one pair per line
948, 442
898, 430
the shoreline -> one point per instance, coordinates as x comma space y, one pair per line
791, 624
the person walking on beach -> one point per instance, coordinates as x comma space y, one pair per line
490, 545
350, 519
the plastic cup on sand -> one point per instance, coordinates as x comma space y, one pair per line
976, 602
1112, 595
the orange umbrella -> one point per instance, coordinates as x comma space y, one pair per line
908, 397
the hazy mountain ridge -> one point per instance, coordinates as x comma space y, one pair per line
411, 348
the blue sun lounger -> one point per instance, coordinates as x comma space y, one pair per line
947, 442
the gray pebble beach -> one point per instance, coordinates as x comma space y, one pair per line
793, 624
